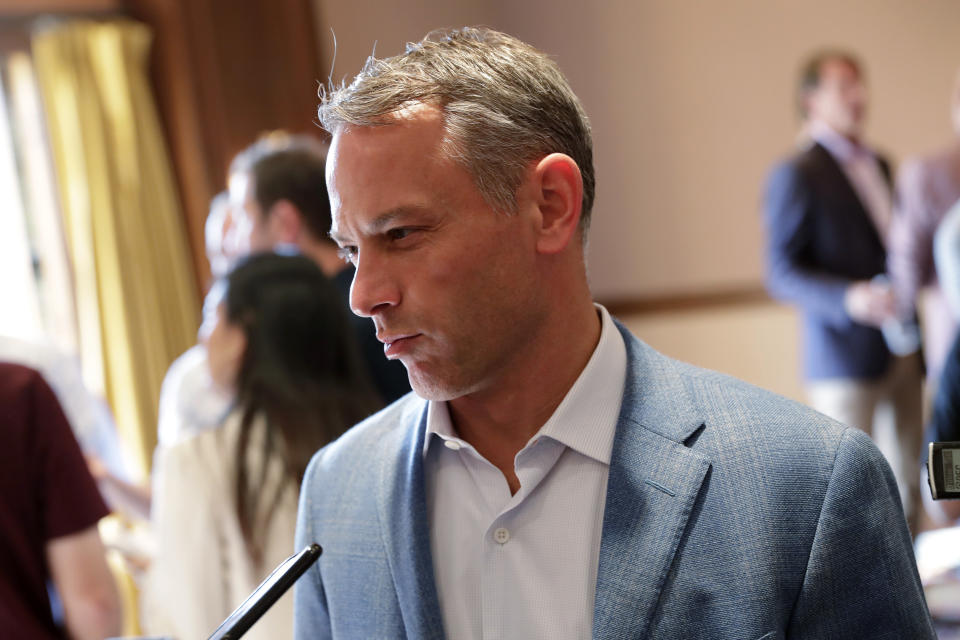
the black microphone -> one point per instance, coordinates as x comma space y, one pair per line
267, 594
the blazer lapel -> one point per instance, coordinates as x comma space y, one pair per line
839, 184
406, 530
652, 488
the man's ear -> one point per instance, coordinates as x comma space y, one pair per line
285, 222
559, 200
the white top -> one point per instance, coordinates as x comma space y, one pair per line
190, 403
525, 566
862, 169
201, 571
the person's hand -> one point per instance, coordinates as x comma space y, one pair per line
870, 303
97, 469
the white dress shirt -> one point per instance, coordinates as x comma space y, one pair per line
525, 566
862, 168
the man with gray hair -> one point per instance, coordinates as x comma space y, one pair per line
553, 476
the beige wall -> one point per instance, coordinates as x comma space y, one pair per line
751, 342
358, 26
709, 89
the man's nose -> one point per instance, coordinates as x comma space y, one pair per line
374, 286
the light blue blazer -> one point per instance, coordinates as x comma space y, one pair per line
730, 513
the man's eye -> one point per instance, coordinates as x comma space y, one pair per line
399, 233
347, 254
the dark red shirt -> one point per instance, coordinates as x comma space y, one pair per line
46, 492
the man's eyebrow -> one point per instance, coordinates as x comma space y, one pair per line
333, 236
382, 221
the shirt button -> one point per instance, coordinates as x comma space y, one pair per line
501, 535
453, 445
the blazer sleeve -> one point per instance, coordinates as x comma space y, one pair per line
788, 214
861, 579
311, 619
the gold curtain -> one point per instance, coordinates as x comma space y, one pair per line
137, 307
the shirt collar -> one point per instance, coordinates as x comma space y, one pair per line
841, 148
586, 419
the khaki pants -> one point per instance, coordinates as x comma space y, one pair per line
890, 410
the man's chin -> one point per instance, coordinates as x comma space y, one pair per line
434, 392
433, 387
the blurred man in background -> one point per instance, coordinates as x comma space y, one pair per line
279, 197
828, 213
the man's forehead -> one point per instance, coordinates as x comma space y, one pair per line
839, 68
377, 168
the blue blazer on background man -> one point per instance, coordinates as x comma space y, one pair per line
820, 240
730, 513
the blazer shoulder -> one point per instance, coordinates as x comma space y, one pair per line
784, 167
734, 414
734, 403
753, 435
799, 169
680, 400
377, 435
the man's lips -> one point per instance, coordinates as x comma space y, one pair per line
395, 344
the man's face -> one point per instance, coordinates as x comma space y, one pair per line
840, 99
451, 285
251, 229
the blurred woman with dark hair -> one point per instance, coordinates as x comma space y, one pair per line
225, 501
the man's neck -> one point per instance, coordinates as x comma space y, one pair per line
499, 420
